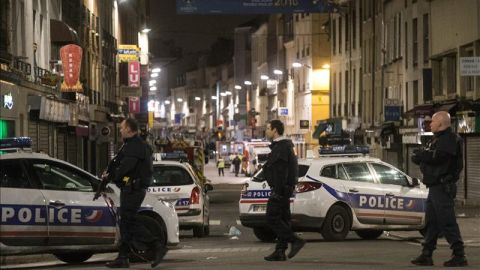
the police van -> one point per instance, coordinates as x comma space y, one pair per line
47, 206
342, 190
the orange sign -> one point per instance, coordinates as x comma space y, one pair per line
71, 56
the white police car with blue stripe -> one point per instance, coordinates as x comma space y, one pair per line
340, 192
177, 183
46, 206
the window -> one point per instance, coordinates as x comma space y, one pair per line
170, 176
358, 172
13, 175
415, 43
340, 33
334, 36
426, 43
415, 92
329, 171
57, 176
354, 25
387, 175
260, 177
341, 173
406, 45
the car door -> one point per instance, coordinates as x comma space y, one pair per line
73, 217
403, 204
23, 207
365, 196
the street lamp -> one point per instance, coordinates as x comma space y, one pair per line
180, 99
198, 98
154, 75
264, 77
277, 72
296, 65
146, 30
153, 88
247, 82
238, 87
156, 70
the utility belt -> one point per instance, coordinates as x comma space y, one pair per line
130, 184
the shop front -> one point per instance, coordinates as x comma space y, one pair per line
12, 110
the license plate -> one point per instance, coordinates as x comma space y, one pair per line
259, 208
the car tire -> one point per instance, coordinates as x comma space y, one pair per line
337, 224
264, 234
73, 258
141, 252
199, 231
369, 234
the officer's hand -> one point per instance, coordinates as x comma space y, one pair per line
104, 176
276, 196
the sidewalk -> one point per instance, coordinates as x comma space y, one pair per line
211, 172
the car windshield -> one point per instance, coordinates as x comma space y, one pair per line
170, 176
259, 176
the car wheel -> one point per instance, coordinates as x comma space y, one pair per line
369, 234
264, 234
337, 224
77, 257
147, 228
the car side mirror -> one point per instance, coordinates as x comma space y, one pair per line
208, 187
415, 182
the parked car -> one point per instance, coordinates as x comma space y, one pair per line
47, 207
177, 183
341, 193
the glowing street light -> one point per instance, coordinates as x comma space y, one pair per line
156, 70
223, 94
238, 87
154, 75
198, 98
264, 77
277, 72
152, 82
167, 101
180, 99
247, 82
228, 93
296, 64
214, 97
153, 88
146, 30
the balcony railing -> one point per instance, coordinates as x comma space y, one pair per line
22, 66
41, 72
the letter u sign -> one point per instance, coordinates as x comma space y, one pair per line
134, 74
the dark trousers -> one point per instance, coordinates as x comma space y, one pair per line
237, 169
130, 202
440, 218
220, 170
279, 219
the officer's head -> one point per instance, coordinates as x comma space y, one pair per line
274, 129
128, 128
440, 121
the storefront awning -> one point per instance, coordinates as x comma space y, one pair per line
420, 110
60, 32
446, 107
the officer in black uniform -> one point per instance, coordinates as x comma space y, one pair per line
131, 171
441, 163
281, 172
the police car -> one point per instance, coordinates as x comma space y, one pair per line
47, 207
342, 190
177, 183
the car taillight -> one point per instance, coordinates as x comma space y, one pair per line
195, 196
307, 186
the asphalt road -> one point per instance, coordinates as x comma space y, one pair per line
219, 251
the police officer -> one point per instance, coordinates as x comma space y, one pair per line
281, 172
441, 163
132, 173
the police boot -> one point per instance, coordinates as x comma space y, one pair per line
296, 246
456, 261
160, 251
119, 262
423, 260
277, 255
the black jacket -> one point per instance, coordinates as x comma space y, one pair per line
442, 160
134, 163
281, 168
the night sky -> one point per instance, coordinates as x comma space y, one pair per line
190, 32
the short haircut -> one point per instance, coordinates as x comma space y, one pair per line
278, 125
132, 124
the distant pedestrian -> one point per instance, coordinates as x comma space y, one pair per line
236, 164
441, 163
221, 167
281, 173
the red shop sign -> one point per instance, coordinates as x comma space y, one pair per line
71, 56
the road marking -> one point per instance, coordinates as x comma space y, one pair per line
219, 250
215, 222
